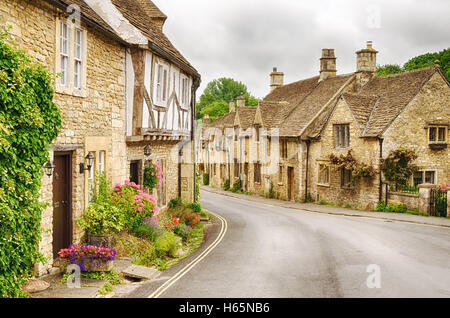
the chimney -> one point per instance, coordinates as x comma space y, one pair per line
206, 120
240, 101
231, 106
366, 59
276, 79
327, 64
366, 64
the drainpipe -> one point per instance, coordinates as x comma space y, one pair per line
380, 187
308, 142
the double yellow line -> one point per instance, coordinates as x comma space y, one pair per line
164, 287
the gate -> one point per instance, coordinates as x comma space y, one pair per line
438, 202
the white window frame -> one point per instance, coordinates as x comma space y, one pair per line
161, 84
184, 91
78, 58
64, 55
101, 161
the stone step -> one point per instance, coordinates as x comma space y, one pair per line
140, 272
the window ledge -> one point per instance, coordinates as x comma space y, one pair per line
323, 185
71, 91
437, 145
280, 183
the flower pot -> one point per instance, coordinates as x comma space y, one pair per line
89, 265
100, 240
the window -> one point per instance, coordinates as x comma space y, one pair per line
347, 180
184, 91
280, 174
64, 42
236, 134
236, 168
437, 133
324, 174
424, 177
101, 161
257, 173
283, 149
341, 136
78, 59
161, 84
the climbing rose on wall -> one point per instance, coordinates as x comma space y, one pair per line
153, 175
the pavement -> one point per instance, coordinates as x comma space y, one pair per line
326, 209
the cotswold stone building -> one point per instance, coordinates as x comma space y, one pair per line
122, 86
287, 144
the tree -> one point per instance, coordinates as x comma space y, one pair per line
216, 97
388, 69
420, 61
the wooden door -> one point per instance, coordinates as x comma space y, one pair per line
290, 183
62, 202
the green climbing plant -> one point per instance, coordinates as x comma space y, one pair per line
29, 122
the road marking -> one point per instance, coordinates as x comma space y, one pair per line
164, 287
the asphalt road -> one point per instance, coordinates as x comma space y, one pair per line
277, 252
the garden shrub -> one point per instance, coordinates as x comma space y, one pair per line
166, 245
196, 207
175, 202
226, 184
205, 178
134, 203
237, 185
146, 232
29, 122
186, 215
183, 230
391, 207
102, 217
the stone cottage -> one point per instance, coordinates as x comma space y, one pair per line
299, 125
115, 90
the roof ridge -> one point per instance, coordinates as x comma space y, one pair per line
409, 72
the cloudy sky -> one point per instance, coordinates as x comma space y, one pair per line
245, 39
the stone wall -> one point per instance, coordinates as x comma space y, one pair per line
97, 112
431, 104
167, 153
364, 193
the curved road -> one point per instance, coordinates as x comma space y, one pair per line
276, 252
